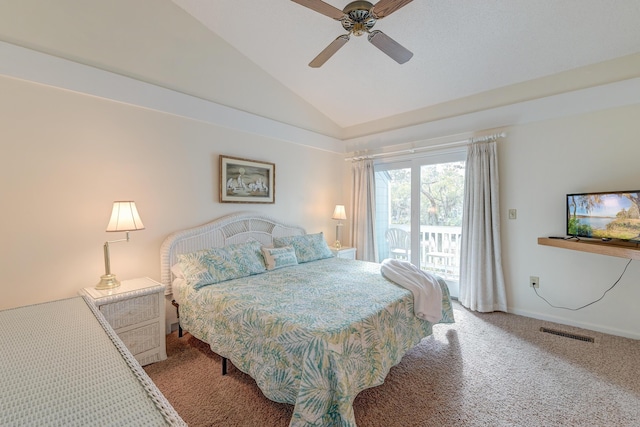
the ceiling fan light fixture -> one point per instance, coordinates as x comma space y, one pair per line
358, 18
359, 29
358, 10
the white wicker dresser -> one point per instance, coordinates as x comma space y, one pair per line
136, 311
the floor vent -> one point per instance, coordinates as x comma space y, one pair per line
567, 335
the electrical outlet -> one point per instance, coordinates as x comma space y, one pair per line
534, 281
513, 214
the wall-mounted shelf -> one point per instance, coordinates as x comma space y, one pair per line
619, 249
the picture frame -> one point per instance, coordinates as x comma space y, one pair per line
247, 181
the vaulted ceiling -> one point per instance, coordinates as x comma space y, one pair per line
461, 48
252, 55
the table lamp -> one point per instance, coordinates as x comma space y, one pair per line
339, 214
124, 217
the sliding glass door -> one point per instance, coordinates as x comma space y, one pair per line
419, 212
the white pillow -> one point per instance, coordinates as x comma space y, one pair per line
176, 269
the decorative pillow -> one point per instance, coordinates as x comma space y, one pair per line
308, 247
279, 257
216, 265
176, 269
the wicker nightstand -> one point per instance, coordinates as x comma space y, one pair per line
135, 310
344, 252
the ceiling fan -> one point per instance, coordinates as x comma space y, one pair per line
359, 17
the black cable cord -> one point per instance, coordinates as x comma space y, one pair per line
592, 302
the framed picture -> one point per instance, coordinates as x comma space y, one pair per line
247, 181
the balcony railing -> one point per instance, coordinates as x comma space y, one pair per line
439, 250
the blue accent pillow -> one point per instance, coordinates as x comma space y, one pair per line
308, 247
216, 265
276, 258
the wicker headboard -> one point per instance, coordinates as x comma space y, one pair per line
235, 228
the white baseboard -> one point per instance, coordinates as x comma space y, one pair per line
584, 325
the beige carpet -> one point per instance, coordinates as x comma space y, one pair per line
492, 369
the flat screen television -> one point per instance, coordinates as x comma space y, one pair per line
605, 215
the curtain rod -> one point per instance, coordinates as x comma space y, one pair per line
430, 147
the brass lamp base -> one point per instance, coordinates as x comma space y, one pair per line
108, 281
337, 245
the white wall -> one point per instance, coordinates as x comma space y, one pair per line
158, 42
539, 164
66, 157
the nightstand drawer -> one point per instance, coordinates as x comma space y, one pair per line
344, 252
131, 311
135, 310
142, 339
149, 358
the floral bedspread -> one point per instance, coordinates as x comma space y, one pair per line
312, 335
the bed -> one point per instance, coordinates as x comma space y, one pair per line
312, 333
62, 364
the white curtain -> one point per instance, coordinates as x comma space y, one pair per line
363, 201
481, 278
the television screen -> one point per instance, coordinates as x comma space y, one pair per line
607, 215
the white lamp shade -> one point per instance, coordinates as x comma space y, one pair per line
124, 217
339, 212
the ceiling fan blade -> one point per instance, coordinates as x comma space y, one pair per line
329, 51
387, 7
322, 7
395, 50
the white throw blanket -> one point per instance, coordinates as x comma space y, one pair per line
427, 294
